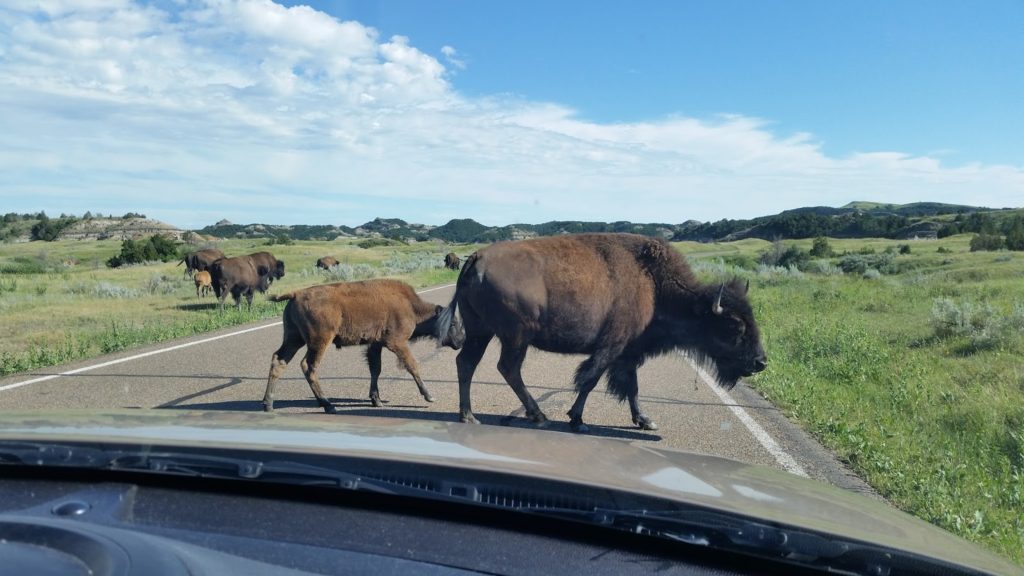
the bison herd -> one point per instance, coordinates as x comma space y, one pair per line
239, 276
618, 298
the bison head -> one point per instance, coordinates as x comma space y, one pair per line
279, 270
728, 336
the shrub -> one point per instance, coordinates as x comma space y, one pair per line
944, 250
821, 248
905, 249
987, 242
161, 284
154, 248
375, 242
108, 290
823, 267
981, 323
860, 263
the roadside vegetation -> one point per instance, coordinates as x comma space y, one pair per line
61, 301
907, 360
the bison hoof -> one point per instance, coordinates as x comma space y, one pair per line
268, 407
645, 423
376, 402
468, 419
579, 427
428, 397
540, 420
328, 408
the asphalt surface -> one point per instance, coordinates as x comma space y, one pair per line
227, 370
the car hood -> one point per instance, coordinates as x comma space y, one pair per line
716, 483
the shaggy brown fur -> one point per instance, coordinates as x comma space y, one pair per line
380, 313
266, 261
238, 276
327, 262
200, 260
621, 298
203, 282
451, 261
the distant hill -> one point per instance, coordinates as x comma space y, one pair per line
856, 219
39, 226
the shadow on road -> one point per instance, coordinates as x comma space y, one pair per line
198, 306
361, 407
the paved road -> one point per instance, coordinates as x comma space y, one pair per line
227, 370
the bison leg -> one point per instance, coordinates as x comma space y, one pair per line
466, 363
401, 349
587, 375
278, 363
315, 352
510, 365
373, 360
622, 380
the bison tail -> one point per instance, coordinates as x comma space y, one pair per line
443, 331
281, 297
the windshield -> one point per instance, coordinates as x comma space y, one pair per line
786, 234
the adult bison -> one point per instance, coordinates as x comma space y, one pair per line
451, 261
200, 260
381, 313
621, 298
327, 262
238, 276
267, 261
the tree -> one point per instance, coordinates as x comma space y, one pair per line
821, 248
986, 242
1015, 235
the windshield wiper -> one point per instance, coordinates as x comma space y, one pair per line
200, 465
701, 527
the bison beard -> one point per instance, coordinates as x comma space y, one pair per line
621, 298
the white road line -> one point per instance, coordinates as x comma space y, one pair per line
781, 456
158, 351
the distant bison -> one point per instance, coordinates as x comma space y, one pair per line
381, 313
621, 298
238, 276
327, 262
203, 282
200, 260
266, 260
451, 261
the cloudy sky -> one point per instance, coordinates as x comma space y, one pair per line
191, 111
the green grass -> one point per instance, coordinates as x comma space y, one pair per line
930, 413
60, 303
927, 410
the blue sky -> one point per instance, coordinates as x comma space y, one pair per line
336, 112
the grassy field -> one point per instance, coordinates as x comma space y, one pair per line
59, 302
910, 367
913, 372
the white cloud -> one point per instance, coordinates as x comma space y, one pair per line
253, 111
451, 56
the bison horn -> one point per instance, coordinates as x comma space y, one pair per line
746, 288
717, 308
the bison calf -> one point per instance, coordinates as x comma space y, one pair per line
380, 313
203, 283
